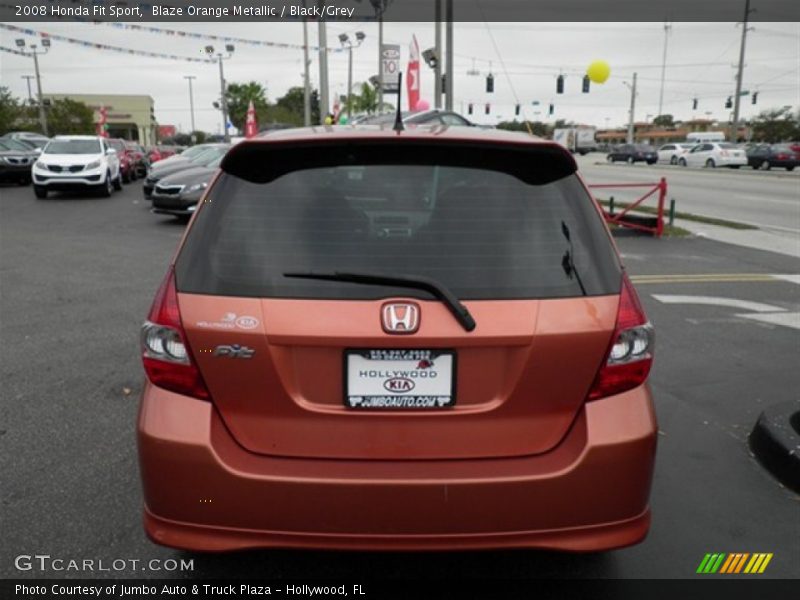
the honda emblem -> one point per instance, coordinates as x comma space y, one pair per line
400, 317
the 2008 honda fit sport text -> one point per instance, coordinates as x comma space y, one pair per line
397, 340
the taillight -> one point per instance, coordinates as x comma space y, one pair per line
630, 356
166, 355
724, 153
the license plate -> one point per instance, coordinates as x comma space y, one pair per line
399, 379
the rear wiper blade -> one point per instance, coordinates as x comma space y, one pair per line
568, 260
426, 284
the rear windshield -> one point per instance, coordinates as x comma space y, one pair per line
484, 234
727, 146
73, 147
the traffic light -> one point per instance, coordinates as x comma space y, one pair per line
490, 83
694, 104
755, 97
516, 110
729, 103
488, 108
560, 84
469, 108
585, 84
552, 109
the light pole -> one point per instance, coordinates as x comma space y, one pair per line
306, 79
346, 42
229, 49
324, 101
738, 98
35, 54
630, 137
667, 28
379, 6
448, 88
189, 78
28, 79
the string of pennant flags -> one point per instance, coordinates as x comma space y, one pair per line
216, 38
12, 51
99, 46
189, 34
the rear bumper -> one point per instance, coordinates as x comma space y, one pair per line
204, 492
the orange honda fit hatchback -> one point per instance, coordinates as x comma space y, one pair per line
372, 339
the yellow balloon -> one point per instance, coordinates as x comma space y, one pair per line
599, 71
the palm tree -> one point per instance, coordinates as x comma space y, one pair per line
239, 96
366, 100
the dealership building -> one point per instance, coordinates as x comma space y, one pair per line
129, 117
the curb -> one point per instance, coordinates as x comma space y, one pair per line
775, 442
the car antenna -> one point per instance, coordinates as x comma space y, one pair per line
398, 118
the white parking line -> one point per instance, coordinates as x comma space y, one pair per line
789, 278
785, 319
757, 307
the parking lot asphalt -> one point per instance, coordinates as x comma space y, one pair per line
77, 276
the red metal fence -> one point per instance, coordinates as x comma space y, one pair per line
624, 218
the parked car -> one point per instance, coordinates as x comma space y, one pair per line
160, 152
16, 160
301, 393
203, 159
670, 153
766, 156
633, 153
188, 154
179, 193
714, 154
139, 158
126, 157
425, 117
37, 140
71, 162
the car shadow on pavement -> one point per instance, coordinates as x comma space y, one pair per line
501, 564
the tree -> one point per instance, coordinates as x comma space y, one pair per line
9, 110
69, 117
293, 102
776, 125
239, 96
366, 100
537, 127
664, 121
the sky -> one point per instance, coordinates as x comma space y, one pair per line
525, 59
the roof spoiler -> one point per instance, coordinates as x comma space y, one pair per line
262, 162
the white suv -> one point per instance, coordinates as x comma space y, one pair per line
71, 162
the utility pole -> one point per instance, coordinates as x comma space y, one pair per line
28, 79
667, 28
448, 105
738, 97
380, 60
630, 137
189, 78
306, 82
437, 70
224, 102
324, 104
